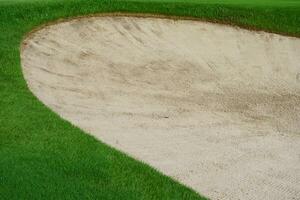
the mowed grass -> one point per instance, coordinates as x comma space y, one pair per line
45, 157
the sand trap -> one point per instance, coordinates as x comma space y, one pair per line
215, 107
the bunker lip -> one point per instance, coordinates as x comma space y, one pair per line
155, 16
213, 106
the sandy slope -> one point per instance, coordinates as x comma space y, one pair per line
213, 106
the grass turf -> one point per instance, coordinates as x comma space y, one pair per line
45, 157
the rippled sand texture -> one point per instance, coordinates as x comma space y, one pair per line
215, 107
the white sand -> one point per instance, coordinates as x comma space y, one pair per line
215, 107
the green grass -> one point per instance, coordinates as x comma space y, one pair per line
45, 157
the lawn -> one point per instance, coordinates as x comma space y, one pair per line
45, 157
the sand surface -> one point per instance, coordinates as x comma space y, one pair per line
213, 106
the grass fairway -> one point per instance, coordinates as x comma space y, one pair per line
44, 157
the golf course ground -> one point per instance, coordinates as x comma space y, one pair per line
46, 157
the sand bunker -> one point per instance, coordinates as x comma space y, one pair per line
215, 107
